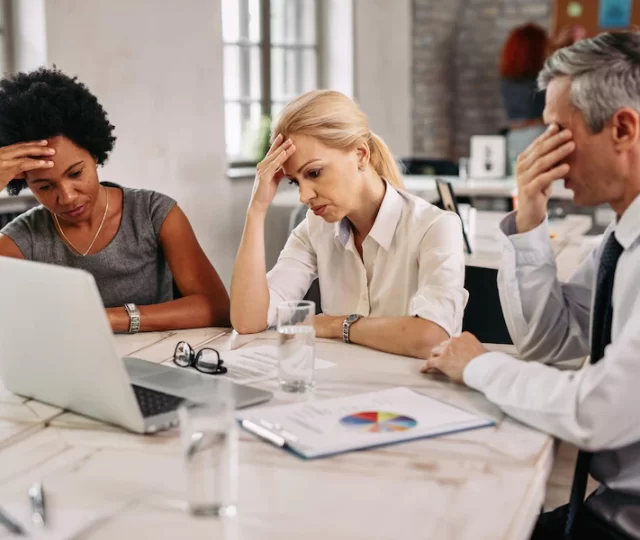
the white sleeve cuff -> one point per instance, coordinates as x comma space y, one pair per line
274, 300
481, 370
440, 305
532, 247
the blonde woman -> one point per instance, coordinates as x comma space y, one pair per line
390, 266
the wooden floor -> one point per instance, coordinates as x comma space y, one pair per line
559, 483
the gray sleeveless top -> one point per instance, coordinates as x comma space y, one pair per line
131, 268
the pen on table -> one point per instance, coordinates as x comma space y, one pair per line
36, 497
11, 524
264, 433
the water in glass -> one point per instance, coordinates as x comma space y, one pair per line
296, 353
210, 443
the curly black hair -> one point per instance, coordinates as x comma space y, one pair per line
46, 103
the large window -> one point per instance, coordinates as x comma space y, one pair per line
6, 49
270, 56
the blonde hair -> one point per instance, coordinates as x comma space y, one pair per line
337, 122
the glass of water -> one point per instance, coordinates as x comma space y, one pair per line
209, 436
296, 346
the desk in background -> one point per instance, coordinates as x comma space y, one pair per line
483, 314
12, 207
485, 195
425, 187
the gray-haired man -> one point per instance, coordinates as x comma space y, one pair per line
593, 142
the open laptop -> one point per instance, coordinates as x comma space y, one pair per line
56, 346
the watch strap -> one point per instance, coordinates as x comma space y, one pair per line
134, 317
346, 326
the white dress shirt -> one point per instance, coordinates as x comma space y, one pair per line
596, 408
413, 264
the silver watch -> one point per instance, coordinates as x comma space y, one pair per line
134, 317
346, 326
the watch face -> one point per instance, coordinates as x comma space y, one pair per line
353, 318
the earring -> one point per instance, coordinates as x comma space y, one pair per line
361, 167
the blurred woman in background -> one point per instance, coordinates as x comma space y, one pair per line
522, 58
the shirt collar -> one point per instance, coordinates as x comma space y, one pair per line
342, 232
385, 224
627, 229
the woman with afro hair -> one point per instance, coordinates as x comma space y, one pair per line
138, 244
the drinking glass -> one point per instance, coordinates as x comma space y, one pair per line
296, 345
209, 435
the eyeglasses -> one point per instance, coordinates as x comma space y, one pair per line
206, 360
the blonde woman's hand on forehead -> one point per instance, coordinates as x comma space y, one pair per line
17, 159
269, 174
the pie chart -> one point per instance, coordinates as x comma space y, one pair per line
378, 422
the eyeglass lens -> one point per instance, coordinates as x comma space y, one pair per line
208, 361
183, 354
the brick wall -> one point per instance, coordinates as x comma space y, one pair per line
456, 50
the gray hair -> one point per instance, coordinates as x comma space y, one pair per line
604, 73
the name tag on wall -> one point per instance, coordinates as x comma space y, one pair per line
488, 156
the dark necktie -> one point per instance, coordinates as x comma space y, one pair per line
600, 338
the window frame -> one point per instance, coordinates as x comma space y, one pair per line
6, 35
265, 48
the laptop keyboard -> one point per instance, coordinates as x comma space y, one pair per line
153, 402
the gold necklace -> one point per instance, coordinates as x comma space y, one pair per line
106, 208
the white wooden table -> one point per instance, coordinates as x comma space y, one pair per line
102, 482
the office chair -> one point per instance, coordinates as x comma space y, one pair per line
297, 216
483, 315
432, 167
